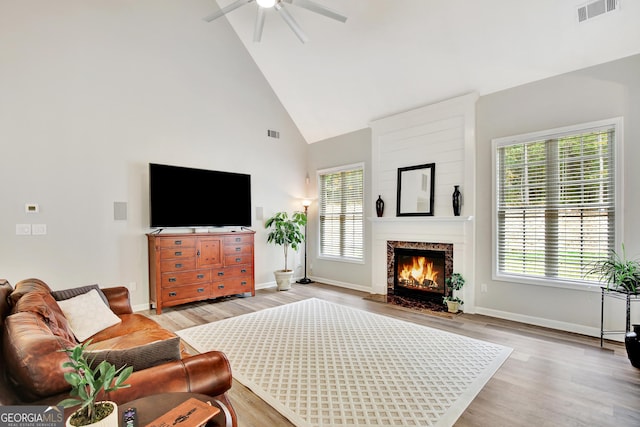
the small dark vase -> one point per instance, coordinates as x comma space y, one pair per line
632, 343
379, 206
456, 200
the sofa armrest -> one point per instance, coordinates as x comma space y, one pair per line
119, 301
207, 373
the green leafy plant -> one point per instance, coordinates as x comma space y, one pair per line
286, 231
87, 382
618, 272
455, 282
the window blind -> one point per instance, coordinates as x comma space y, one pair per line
341, 213
556, 204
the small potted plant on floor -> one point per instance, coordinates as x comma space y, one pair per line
287, 232
455, 282
86, 383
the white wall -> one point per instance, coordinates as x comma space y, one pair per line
354, 147
595, 93
91, 92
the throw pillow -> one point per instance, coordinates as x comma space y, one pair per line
87, 314
74, 292
140, 357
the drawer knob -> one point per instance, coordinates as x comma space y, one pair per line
220, 286
177, 242
200, 290
243, 283
178, 253
238, 249
172, 294
238, 239
200, 276
178, 265
238, 259
244, 270
172, 279
220, 273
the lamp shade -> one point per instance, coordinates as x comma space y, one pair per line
306, 203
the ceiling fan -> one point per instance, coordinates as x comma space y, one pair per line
281, 7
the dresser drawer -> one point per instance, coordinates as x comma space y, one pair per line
222, 274
178, 264
231, 286
177, 242
231, 260
185, 278
238, 249
177, 253
186, 293
240, 238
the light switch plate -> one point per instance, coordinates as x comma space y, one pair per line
23, 229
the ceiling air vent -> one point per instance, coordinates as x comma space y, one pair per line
596, 8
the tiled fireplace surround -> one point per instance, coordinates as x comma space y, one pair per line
413, 298
443, 134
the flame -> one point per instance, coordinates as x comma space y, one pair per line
419, 271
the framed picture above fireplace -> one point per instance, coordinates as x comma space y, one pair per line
415, 190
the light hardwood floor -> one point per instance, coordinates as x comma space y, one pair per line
552, 378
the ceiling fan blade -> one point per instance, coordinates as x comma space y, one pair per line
318, 8
233, 6
257, 30
291, 22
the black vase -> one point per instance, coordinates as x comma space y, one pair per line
456, 200
632, 343
379, 206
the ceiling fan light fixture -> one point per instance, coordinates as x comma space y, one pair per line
266, 3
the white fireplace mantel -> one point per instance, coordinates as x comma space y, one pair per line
429, 219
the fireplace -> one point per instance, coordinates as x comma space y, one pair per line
417, 272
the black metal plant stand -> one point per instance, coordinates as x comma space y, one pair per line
616, 294
305, 280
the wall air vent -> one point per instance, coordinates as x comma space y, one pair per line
273, 133
596, 8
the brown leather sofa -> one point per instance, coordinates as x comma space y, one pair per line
34, 330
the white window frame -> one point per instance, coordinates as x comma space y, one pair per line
618, 145
319, 173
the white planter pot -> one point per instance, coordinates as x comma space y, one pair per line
453, 306
110, 421
283, 279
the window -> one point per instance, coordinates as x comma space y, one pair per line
555, 205
341, 212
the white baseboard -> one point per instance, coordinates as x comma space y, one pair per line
140, 307
546, 323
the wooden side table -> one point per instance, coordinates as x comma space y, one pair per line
151, 407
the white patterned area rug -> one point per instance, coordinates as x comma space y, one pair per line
324, 364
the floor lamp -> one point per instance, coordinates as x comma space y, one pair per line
305, 280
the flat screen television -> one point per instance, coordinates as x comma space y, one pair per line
188, 197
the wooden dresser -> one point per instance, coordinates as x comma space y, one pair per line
193, 267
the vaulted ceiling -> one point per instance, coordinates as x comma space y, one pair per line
395, 55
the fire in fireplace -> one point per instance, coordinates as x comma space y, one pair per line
419, 273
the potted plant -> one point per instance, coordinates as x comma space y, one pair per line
455, 282
86, 383
618, 272
287, 232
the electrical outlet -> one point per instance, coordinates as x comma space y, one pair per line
133, 286
39, 229
483, 288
